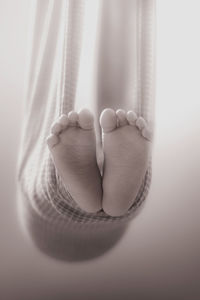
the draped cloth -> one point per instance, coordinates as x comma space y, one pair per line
68, 39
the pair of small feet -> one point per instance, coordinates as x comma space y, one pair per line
126, 146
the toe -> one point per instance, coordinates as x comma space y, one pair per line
56, 128
64, 121
121, 116
52, 140
73, 118
131, 117
108, 120
141, 123
147, 134
86, 119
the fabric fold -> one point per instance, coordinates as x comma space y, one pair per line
52, 88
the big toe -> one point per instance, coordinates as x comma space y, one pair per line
86, 119
108, 120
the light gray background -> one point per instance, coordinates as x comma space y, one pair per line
159, 257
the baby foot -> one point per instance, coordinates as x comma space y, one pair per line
72, 144
126, 143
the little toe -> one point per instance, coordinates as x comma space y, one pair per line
56, 128
73, 118
52, 140
86, 119
64, 121
147, 133
131, 117
121, 116
108, 120
141, 123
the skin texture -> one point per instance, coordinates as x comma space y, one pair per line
73, 147
126, 145
126, 160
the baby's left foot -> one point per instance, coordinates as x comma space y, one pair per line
126, 142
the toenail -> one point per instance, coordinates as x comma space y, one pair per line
141, 123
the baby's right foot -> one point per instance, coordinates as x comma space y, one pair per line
73, 147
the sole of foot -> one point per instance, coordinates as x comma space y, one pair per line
72, 144
126, 144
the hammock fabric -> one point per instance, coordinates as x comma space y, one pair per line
57, 43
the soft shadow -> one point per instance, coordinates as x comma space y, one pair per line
66, 243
